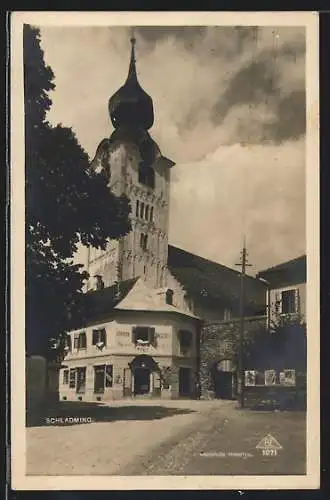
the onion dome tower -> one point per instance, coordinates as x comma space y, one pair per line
136, 168
131, 106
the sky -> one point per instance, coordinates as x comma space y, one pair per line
229, 108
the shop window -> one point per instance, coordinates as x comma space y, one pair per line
65, 377
81, 380
99, 337
103, 377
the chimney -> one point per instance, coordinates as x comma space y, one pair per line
99, 284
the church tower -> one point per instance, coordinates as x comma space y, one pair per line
136, 168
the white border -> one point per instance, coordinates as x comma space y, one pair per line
19, 480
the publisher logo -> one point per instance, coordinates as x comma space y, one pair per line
269, 446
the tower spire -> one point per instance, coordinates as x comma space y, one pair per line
132, 67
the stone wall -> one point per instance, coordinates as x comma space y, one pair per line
219, 341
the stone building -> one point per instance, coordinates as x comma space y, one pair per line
146, 300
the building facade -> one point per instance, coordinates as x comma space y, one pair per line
133, 343
286, 290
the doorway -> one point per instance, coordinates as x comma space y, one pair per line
184, 381
141, 381
222, 380
223, 385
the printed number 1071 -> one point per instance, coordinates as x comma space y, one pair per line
269, 452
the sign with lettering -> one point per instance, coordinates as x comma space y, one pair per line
123, 334
162, 335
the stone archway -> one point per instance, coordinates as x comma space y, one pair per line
223, 378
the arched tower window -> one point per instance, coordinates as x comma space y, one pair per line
143, 241
137, 208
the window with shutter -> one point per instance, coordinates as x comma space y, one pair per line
288, 301
98, 336
143, 335
76, 342
94, 337
67, 343
103, 336
82, 341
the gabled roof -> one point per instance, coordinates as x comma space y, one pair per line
129, 295
290, 272
143, 298
209, 281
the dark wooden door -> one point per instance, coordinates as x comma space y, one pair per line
223, 385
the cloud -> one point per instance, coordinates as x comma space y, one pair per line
228, 101
256, 190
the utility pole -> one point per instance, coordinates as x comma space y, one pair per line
240, 379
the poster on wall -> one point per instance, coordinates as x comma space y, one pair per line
270, 377
250, 377
288, 377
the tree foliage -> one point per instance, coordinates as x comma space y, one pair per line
67, 203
